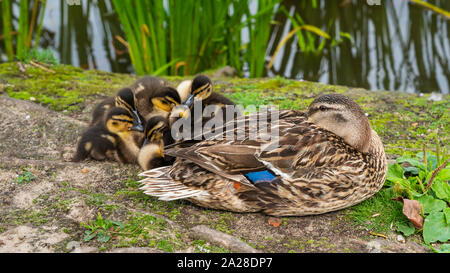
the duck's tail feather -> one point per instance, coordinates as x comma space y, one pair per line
158, 183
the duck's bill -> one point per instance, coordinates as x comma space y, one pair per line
137, 123
146, 141
189, 101
137, 127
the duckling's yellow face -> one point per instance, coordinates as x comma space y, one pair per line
164, 103
119, 123
203, 92
155, 134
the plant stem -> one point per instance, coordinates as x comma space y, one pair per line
7, 28
434, 174
425, 158
421, 184
437, 150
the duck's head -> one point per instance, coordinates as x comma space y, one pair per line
125, 99
344, 117
119, 120
165, 99
156, 130
201, 88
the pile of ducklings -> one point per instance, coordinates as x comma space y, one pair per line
134, 126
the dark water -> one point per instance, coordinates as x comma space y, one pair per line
395, 45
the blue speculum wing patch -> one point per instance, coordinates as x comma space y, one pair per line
261, 176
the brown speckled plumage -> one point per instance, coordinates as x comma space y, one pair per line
316, 171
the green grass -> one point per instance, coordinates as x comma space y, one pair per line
138, 230
43, 56
379, 213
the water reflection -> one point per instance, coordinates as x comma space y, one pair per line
84, 35
395, 45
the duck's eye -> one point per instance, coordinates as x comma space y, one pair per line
115, 123
323, 108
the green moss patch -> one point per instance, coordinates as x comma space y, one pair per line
66, 89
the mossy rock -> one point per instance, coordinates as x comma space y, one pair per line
404, 121
62, 195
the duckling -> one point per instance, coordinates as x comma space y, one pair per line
200, 89
154, 97
128, 141
96, 143
125, 99
325, 159
158, 135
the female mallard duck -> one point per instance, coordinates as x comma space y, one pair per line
326, 159
124, 99
113, 140
157, 135
154, 97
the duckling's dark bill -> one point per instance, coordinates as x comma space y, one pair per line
146, 141
137, 123
189, 100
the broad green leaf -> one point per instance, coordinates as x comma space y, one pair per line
88, 235
406, 228
431, 204
441, 189
435, 228
103, 236
445, 248
395, 172
447, 215
412, 161
117, 223
443, 175
413, 170
431, 160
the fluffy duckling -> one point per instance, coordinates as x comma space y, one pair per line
96, 143
128, 141
124, 99
99, 142
200, 89
154, 97
157, 135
